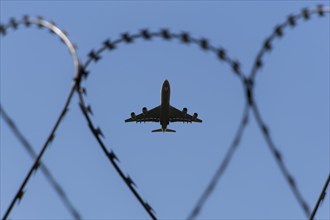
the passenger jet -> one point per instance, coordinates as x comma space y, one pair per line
164, 113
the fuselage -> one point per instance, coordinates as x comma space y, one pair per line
165, 104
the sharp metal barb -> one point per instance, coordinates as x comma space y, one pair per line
51, 137
320, 10
109, 45
204, 44
36, 167
185, 38
258, 63
127, 38
267, 44
236, 67
89, 109
146, 34
321, 197
305, 13
20, 195
26, 20
94, 56
113, 156
278, 31
149, 207
292, 21
83, 91
99, 132
39, 21
222, 54
130, 181
13, 23
165, 34
3, 30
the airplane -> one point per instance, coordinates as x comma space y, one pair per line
164, 113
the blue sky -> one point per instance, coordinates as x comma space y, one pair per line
170, 170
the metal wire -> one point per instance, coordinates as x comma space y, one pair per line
292, 20
40, 22
49, 176
81, 73
223, 166
126, 38
321, 198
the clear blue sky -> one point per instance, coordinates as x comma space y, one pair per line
170, 170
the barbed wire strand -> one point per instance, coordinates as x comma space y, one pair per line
113, 158
279, 159
185, 38
321, 198
223, 165
40, 22
267, 46
49, 176
278, 32
249, 89
144, 34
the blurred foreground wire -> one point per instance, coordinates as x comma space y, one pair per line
291, 21
223, 165
81, 74
49, 176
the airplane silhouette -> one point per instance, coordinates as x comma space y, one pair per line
164, 113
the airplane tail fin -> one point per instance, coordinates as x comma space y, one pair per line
161, 130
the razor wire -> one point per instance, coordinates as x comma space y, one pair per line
126, 38
278, 32
222, 167
248, 84
45, 170
51, 26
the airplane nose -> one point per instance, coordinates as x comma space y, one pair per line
166, 85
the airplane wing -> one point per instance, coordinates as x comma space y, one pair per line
152, 115
182, 116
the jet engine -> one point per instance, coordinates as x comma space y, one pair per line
144, 110
195, 116
133, 115
184, 111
